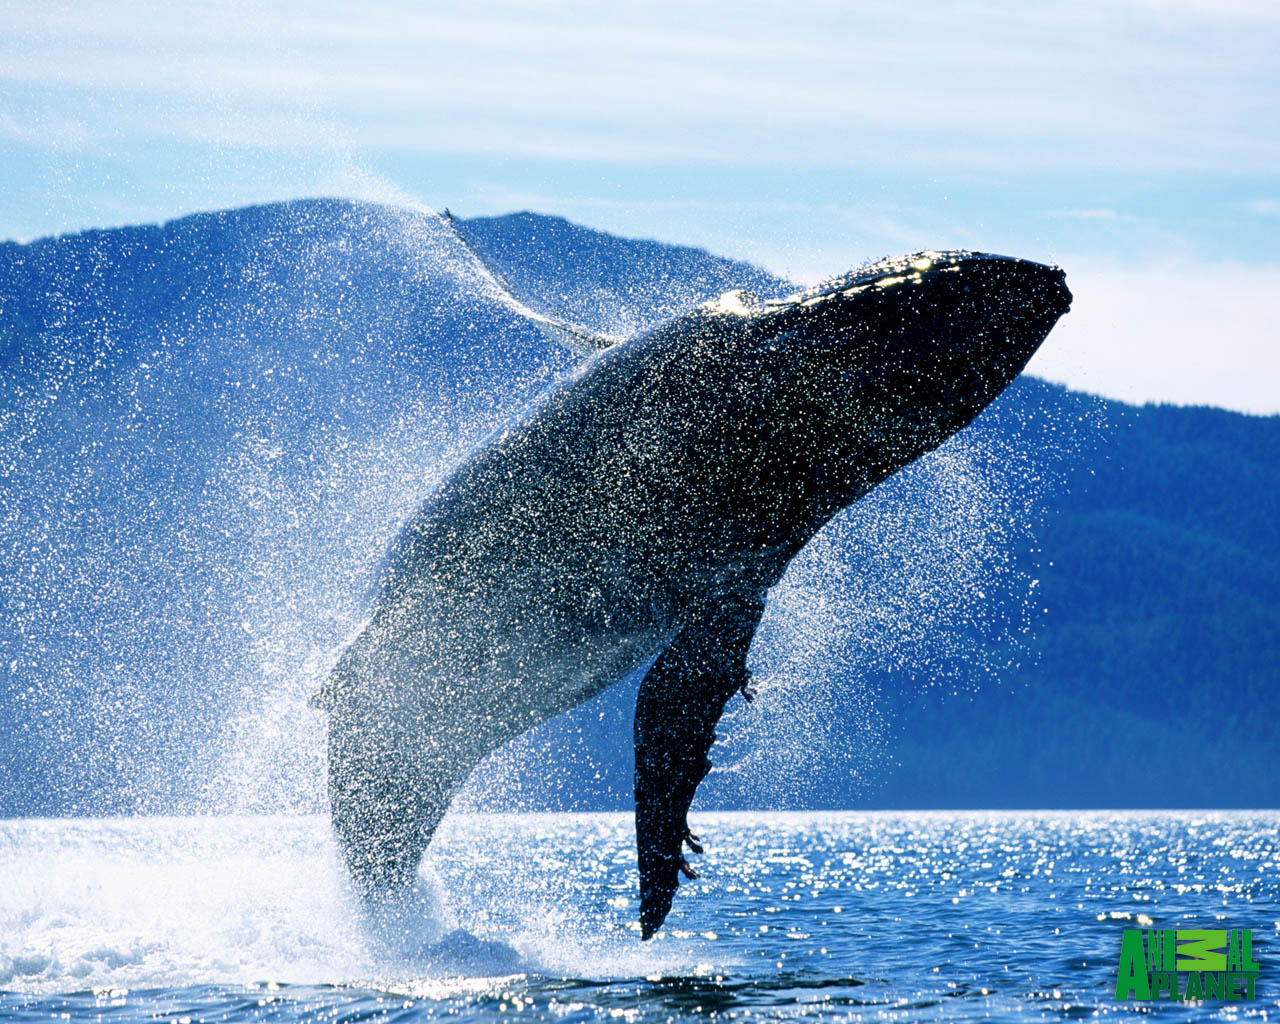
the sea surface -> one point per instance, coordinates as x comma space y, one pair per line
832, 916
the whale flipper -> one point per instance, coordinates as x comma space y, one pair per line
680, 701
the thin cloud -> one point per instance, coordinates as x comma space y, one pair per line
1253, 10
995, 84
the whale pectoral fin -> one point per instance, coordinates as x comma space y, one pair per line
680, 701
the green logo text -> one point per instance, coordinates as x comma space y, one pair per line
1186, 964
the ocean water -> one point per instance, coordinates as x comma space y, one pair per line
833, 916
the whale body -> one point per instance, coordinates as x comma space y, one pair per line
637, 515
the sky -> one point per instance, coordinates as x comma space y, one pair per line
1134, 142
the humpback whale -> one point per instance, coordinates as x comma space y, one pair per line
636, 516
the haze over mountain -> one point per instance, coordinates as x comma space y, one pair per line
210, 430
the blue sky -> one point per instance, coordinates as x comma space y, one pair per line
1136, 143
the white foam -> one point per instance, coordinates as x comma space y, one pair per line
167, 902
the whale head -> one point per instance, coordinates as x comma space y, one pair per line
901, 354
795, 408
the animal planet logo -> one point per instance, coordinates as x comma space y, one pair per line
1186, 964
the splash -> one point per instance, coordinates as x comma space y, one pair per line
213, 429
928, 583
166, 902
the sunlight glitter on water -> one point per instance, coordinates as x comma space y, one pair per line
843, 915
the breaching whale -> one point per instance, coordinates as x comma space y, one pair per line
637, 515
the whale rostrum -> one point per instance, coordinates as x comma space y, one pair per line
637, 515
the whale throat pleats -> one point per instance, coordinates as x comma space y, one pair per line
681, 699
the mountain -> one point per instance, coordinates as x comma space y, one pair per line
210, 430
1159, 642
